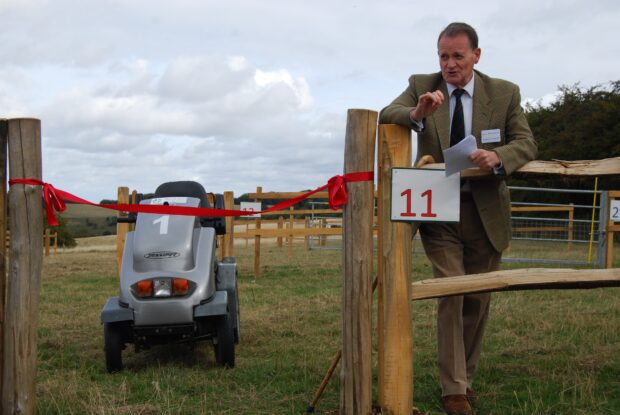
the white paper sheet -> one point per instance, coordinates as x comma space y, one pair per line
456, 157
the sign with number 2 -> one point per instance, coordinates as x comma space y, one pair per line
614, 210
424, 195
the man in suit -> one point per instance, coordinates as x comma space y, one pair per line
443, 108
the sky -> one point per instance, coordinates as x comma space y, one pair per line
237, 94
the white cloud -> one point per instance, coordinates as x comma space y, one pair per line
218, 118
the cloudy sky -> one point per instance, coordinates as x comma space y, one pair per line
240, 93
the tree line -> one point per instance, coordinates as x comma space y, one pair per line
581, 124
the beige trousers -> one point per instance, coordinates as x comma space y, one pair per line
460, 249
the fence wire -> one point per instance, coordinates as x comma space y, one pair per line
542, 233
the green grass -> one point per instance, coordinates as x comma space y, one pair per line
546, 352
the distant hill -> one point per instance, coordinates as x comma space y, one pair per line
84, 220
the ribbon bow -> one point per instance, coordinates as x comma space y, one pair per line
337, 190
50, 196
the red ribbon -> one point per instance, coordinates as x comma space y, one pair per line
55, 198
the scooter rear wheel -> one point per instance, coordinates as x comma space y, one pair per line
113, 347
225, 346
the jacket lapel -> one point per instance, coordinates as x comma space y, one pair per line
482, 109
442, 118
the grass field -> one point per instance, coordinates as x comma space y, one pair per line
546, 352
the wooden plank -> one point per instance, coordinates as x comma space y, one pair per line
395, 330
516, 279
357, 266
288, 195
605, 167
25, 205
285, 195
286, 232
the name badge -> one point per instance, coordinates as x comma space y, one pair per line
490, 136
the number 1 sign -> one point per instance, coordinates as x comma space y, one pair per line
424, 195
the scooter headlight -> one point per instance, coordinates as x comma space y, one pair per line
162, 287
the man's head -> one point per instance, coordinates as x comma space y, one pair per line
457, 47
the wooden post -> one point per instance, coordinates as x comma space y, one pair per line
307, 235
133, 200
280, 227
55, 236
47, 238
3, 235
24, 279
356, 366
323, 238
121, 228
291, 227
229, 238
259, 190
395, 327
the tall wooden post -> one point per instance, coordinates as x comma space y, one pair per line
395, 327
134, 201
291, 226
259, 190
3, 177
280, 227
229, 238
307, 235
121, 228
26, 260
47, 236
355, 369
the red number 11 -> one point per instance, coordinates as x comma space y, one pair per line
429, 204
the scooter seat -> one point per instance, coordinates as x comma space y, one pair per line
183, 189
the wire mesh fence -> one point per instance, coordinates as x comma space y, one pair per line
557, 233
543, 232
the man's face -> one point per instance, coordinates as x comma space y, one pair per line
457, 59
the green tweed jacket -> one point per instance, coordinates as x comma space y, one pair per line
496, 105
